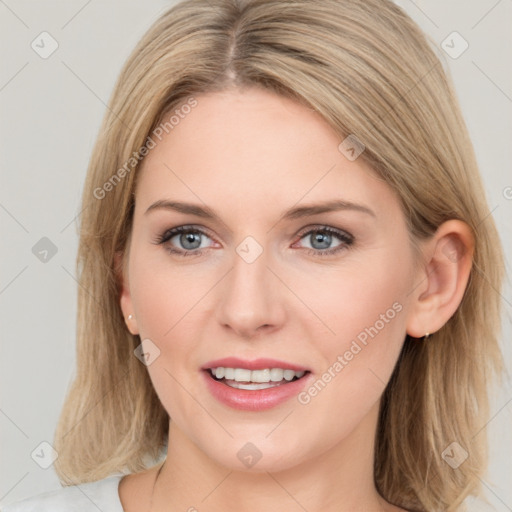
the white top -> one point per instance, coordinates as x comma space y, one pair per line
89, 497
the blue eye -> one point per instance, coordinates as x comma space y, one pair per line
321, 239
187, 237
189, 241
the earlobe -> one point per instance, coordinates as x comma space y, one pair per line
125, 300
446, 274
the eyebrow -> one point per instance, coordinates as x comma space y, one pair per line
291, 214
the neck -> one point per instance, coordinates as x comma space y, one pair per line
340, 479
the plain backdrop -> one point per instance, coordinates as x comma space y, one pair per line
51, 110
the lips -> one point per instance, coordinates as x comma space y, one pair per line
242, 378
254, 385
256, 364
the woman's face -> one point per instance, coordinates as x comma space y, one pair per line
293, 256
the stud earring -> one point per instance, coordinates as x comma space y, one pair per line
130, 317
427, 334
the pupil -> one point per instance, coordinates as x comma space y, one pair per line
190, 238
324, 239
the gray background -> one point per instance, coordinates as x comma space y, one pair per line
50, 114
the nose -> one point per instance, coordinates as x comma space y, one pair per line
250, 300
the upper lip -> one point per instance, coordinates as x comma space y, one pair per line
255, 364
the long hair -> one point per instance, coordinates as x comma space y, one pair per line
369, 71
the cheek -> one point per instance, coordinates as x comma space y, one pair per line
165, 294
368, 315
365, 300
166, 301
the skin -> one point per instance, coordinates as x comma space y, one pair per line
250, 155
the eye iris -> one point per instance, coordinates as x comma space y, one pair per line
324, 239
190, 238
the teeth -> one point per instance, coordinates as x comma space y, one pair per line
266, 375
251, 386
276, 374
289, 374
242, 375
260, 375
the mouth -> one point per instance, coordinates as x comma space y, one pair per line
254, 380
254, 385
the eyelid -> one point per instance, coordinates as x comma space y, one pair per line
324, 227
183, 228
346, 239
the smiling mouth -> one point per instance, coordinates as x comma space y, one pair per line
253, 380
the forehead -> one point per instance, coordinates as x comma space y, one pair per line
252, 149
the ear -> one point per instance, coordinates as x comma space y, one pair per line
125, 298
443, 278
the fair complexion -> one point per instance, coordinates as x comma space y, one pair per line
251, 156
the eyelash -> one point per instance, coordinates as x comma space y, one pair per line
346, 239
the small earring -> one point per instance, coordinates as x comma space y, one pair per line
427, 334
130, 317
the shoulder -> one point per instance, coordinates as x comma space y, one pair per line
87, 497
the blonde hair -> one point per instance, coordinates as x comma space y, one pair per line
366, 68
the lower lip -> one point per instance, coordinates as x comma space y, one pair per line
256, 400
